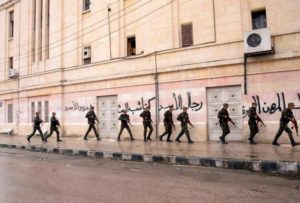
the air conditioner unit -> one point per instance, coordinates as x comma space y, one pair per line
86, 53
257, 41
12, 73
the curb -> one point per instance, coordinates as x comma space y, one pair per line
263, 166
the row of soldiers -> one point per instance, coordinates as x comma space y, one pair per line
223, 115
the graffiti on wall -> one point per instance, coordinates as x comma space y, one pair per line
177, 103
272, 107
75, 106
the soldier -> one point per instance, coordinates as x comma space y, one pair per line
125, 120
184, 119
223, 120
252, 122
146, 115
92, 118
168, 123
54, 128
286, 116
36, 126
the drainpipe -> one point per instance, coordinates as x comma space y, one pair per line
156, 96
109, 32
245, 74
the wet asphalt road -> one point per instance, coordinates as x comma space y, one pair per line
39, 177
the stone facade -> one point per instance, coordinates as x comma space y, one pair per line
51, 67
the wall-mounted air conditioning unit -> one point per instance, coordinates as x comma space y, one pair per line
257, 41
13, 73
86, 53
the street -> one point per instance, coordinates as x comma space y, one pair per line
39, 177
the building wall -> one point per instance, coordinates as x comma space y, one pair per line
215, 60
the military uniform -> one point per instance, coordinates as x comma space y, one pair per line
54, 128
286, 115
92, 118
124, 118
146, 115
252, 122
168, 123
36, 127
184, 119
223, 120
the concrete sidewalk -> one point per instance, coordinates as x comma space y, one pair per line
262, 157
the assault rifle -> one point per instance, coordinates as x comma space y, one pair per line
295, 125
259, 120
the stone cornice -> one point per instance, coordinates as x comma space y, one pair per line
8, 4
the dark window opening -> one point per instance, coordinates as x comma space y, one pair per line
46, 111
131, 46
11, 63
86, 5
32, 111
11, 24
187, 35
259, 19
9, 113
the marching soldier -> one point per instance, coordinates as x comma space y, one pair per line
92, 118
146, 115
184, 119
286, 116
54, 128
36, 127
168, 123
252, 122
223, 120
125, 120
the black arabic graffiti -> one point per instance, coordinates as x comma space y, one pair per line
276, 106
76, 107
178, 104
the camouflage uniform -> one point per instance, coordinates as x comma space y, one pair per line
146, 115
284, 120
124, 118
168, 123
184, 119
36, 127
252, 122
92, 118
223, 120
53, 128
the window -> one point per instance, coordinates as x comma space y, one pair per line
32, 111
259, 19
11, 63
86, 5
187, 35
131, 46
11, 24
87, 59
9, 113
46, 111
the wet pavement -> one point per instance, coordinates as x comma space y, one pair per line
40, 177
234, 150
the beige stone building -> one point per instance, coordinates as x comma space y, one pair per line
65, 55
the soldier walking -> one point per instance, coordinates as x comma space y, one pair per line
286, 116
125, 120
184, 119
36, 127
254, 119
223, 120
54, 128
168, 123
92, 118
147, 123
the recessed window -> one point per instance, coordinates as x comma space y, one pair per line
86, 5
187, 34
11, 63
9, 113
87, 59
131, 46
259, 19
11, 24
